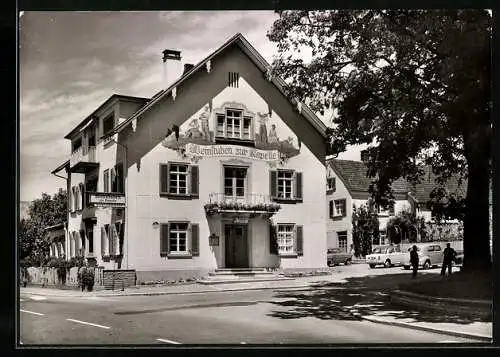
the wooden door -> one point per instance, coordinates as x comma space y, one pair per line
236, 246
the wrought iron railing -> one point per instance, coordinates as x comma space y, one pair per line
81, 155
254, 202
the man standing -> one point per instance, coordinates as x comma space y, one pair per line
449, 256
414, 261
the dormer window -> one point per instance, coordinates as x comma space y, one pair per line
234, 125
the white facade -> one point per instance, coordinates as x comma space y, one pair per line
154, 219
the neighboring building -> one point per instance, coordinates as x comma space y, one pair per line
220, 170
347, 186
56, 235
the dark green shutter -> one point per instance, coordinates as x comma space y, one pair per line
334, 184
163, 178
195, 240
298, 185
331, 209
273, 240
344, 210
164, 246
194, 181
299, 240
273, 178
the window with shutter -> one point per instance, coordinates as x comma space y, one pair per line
273, 180
194, 180
344, 208
119, 178
111, 239
273, 242
340, 208
298, 185
114, 187
299, 240
331, 209
286, 186
285, 238
82, 196
103, 242
164, 234
195, 244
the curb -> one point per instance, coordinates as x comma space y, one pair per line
443, 299
427, 329
173, 292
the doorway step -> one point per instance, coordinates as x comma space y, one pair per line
240, 275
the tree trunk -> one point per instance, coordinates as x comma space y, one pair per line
477, 256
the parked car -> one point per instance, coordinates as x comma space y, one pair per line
387, 256
459, 259
335, 256
429, 255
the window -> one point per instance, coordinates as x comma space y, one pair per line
382, 236
286, 239
233, 79
178, 179
117, 178
233, 125
81, 196
77, 198
90, 237
106, 180
331, 212
390, 250
177, 239
108, 124
330, 184
73, 199
342, 241
234, 181
285, 184
340, 208
76, 144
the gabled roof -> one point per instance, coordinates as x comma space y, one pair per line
60, 167
256, 58
353, 174
106, 102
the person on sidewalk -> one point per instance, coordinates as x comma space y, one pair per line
414, 261
449, 256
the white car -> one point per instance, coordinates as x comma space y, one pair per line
429, 255
387, 256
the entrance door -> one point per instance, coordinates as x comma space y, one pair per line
236, 246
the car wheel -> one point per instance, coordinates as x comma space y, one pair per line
348, 262
407, 267
372, 266
387, 263
427, 264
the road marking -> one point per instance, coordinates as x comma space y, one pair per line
243, 343
449, 341
32, 312
21, 300
37, 297
88, 323
168, 341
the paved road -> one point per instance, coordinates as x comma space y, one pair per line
306, 316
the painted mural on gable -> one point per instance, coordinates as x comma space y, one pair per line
212, 126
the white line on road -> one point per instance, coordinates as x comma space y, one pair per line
89, 323
37, 297
168, 341
32, 312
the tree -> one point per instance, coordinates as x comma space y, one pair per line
43, 212
406, 226
413, 85
365, 227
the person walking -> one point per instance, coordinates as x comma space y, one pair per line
414, 261
449, 256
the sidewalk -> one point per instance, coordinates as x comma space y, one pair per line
482, 331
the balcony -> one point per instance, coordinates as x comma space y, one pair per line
249, 205
83, 161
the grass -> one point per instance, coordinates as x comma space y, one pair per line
459, 286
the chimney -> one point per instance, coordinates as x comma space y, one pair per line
187, 68
172, 67
365, 156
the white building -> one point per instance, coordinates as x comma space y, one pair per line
219, 170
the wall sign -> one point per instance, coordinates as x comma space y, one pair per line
213, 239
106, 199
202, 151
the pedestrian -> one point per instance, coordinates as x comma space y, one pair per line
449, 256
81, 274
414, 261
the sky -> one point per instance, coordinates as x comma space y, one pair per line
71, 62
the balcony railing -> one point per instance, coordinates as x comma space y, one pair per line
81, 155
252, 203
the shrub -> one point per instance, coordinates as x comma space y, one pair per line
88, 278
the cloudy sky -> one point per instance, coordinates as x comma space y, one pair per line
71, 62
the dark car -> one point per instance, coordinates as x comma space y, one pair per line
335, 256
